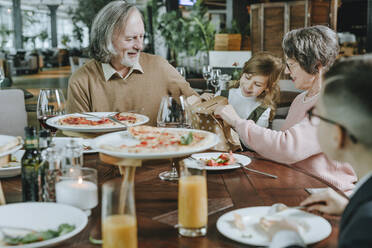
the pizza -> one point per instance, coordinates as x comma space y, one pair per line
158, 140
126, 118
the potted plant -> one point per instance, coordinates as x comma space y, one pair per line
187, 36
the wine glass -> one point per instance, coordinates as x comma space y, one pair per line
207, 73
50, 103
215, 79
181, 70
173, 112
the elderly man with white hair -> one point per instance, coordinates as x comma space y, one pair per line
120, 77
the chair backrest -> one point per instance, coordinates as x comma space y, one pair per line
13, 116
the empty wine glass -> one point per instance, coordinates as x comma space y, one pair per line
215, 79
50, 103
207, 73
181, 70
173, 112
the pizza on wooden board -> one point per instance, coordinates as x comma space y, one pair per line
158, 140
127, 118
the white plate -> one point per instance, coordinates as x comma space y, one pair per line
318, 227
120, 138
63, 141
93, 129
42, 216
14, 170
209, 155
5, 139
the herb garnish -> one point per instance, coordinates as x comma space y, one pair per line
187, 139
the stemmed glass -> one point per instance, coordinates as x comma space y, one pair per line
173, 112
50, 103
181, 70
215, 81
207, 73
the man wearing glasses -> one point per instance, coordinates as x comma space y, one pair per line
344, 119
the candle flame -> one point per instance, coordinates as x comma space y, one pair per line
80, 180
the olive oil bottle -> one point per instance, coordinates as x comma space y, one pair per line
30, 166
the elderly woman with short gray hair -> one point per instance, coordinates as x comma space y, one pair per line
309, 52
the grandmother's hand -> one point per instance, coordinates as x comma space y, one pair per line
228, 114
327, 201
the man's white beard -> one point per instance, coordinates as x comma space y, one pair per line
129, 62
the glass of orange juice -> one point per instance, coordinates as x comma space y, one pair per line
119, 222
192, 199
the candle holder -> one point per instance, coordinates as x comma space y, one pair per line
78, 187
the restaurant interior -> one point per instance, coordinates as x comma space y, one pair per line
193, 176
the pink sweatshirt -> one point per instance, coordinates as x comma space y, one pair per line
297, 145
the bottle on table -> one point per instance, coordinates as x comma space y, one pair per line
44, 142
30, 166
52, 169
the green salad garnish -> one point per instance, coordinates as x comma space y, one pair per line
186, 139
38, 236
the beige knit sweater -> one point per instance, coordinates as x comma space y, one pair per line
140, 92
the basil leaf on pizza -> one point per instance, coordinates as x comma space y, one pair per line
186, 139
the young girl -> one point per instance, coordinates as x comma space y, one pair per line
253, 96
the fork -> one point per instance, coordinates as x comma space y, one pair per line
110, 117
256, 171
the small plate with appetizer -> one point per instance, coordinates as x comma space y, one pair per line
250, 225
12, 167
39, 224
9, 144
221, 160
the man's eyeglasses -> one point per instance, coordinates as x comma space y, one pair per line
311, 115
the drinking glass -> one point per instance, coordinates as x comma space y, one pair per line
181, 70
207, 73
173, 112
50, 103
215, 79
192, 199
119, 223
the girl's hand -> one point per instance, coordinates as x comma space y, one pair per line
207, 96
228, 114
327, 201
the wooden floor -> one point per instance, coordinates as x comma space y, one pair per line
48, 78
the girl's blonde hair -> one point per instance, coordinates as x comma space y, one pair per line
265, 64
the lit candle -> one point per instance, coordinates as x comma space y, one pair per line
79, 193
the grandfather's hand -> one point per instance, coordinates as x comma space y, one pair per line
228, 114
327, 201
207, 96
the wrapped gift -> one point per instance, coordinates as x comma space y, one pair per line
203, 118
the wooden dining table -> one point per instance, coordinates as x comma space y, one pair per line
156, 201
